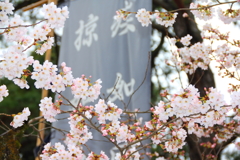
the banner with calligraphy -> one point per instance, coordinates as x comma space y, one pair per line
94, 44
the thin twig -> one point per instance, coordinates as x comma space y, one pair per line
24, 25
145, 76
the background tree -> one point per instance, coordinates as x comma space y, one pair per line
201, 78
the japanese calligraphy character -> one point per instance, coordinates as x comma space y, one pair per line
122, 27
86, 33
121, 88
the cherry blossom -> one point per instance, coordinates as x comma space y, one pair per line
55, 16
49, 110
20, 117
165, 19
186, 40
79, 133
204, 11
229, 15
58, 151
6, 8
81, 88
3, 92
121, 15
143, 17
15, 61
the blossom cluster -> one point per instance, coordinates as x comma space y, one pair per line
177, 140
55, 16
79, 133
14, 62
49, 109
45, 46
20, 117
188, 103
229, 15
82, 88
107, 112
143, 17
58, 151
6, 8
46, 76
121, 15
193, 57
17, 34
164, 18
204, 12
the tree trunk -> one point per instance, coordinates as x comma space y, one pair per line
201, 78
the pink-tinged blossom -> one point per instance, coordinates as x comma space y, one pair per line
65, 12
16, 34
79, 133
3, 92
3, 18
21, 82
123, 134
45, 46
15, 61
81, 88
197, 55
58, 151
49, 109
160, 111
186, 102
144, 17
26, 40
6, 8
186, 40
235, 99
157, 138
204, 14
229, 15
115, 125
46, 77
20, 117
224, 135
191, 126
173, 41
149, 125
108, 112
165, 19
121, 15
177, 142
103, 156
40, 32
216, 99
56, 16
117, 156
185, 15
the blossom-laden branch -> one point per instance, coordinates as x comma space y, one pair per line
202, 11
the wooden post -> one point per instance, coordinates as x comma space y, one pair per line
41, 124
34, 5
